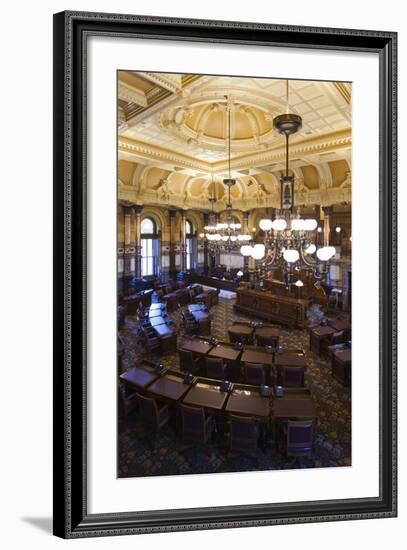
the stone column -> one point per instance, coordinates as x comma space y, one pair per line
172, 269
129, 250
327, 229
137, 210
245, 232
183, 247
206, 251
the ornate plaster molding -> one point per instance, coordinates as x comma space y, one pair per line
304, 148
131, 94
171, 82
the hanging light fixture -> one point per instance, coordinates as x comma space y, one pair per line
289, 239
225, 236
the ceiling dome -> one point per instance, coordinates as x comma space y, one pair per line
206, 123
211, 120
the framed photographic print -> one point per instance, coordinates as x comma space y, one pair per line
224, 274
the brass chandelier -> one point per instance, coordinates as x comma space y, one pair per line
289, 240
225, 236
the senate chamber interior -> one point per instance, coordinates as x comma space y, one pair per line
234, 298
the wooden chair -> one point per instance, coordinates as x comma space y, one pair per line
291, 377
168, 343
254, 374
189, 324
336, 347
234, 371
215, 368
267, 340
152, 342
187, 361
154, 417
196, 426
335, 338
127, 400
298, 438
244, 434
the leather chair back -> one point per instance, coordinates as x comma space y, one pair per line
299, 437
215, 368
244, 434
193, 424
148, 410
254, 374
292, 377
186, 360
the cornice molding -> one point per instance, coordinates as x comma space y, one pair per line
324, 197
151, 152
316, 145
170, 82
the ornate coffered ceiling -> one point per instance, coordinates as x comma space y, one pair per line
173, 135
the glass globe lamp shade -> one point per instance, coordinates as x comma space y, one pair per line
265, 225
291, 256
225, 238
319, 229
279, 224
299, 283
258, 251
233, 238
217, 237
297, 225
325, 253
310, 224
239, 273
338, 229
311, 249
246, 250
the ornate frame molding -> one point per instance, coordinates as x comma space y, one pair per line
71, 518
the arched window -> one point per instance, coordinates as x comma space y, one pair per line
189, 237
149, 247
147, 226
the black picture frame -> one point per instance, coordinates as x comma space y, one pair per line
71, 30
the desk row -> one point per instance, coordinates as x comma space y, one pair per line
251, 401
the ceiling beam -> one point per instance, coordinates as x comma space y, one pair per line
131, 94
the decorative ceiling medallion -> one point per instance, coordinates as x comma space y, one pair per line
203, 121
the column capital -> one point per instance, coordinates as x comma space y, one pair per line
138, 209
127, 210
172, 213
327, 210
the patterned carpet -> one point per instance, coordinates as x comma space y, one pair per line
144, 454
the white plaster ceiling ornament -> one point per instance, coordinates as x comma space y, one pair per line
203, 122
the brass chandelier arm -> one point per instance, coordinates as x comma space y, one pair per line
307, 260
